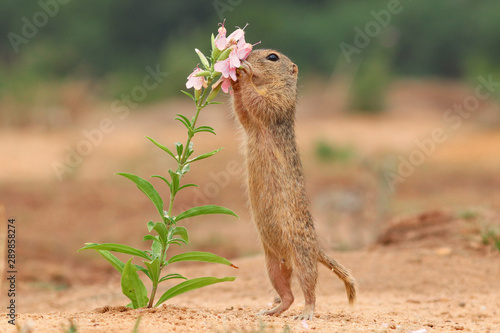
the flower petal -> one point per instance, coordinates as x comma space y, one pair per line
226, 84
233, 59
223, 67
236, 36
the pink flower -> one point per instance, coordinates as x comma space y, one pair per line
243, 49
226, 84
196, 81
220, 40
235, 36
226, 69
234, 61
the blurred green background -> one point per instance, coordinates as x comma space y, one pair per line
108, 44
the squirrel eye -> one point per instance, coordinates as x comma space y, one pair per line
273, 57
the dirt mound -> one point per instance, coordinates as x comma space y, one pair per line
441, 229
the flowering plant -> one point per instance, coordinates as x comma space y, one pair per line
226, 56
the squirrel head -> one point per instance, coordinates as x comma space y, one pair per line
274, 75
271, 68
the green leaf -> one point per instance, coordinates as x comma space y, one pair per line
205, 155
162, 231
116, 248
205, 129
181, 231
174, 188
144, 270
162, 147
177, 241
132, 286
150, 237
172, 276
154, 270
162, 178
200, 256
180, 148
147, 189
184, 169
151, 224
156, 249
191, 285
185, 119
191, 96
187, 185
204, 210
114, 261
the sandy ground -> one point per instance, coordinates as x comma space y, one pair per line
400, 291
429, 270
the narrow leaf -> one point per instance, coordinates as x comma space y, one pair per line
114, 261
181, 231
144, 270
162, 178
147, 189
187, 124
205, 129
184, 118
153, 269
191, 285
162, 147
191, 96
204, 210
172, 276
116, 248
205, 155
132, 286
187, 185
200, 256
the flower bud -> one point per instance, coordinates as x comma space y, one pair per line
203, 59
202, 73
215, 90
197, 94
225, 54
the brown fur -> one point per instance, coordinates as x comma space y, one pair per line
264, 102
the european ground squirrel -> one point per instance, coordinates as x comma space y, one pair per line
264, 102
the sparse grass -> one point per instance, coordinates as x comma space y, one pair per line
327, 152
468, 214
491, 237
486, 224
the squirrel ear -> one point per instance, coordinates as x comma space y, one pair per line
295, 69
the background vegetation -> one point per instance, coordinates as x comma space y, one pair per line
108, 44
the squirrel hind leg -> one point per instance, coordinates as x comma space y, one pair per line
280, 275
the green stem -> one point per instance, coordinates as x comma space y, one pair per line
200, 105
153, 293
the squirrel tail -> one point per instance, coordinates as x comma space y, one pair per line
342, 273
